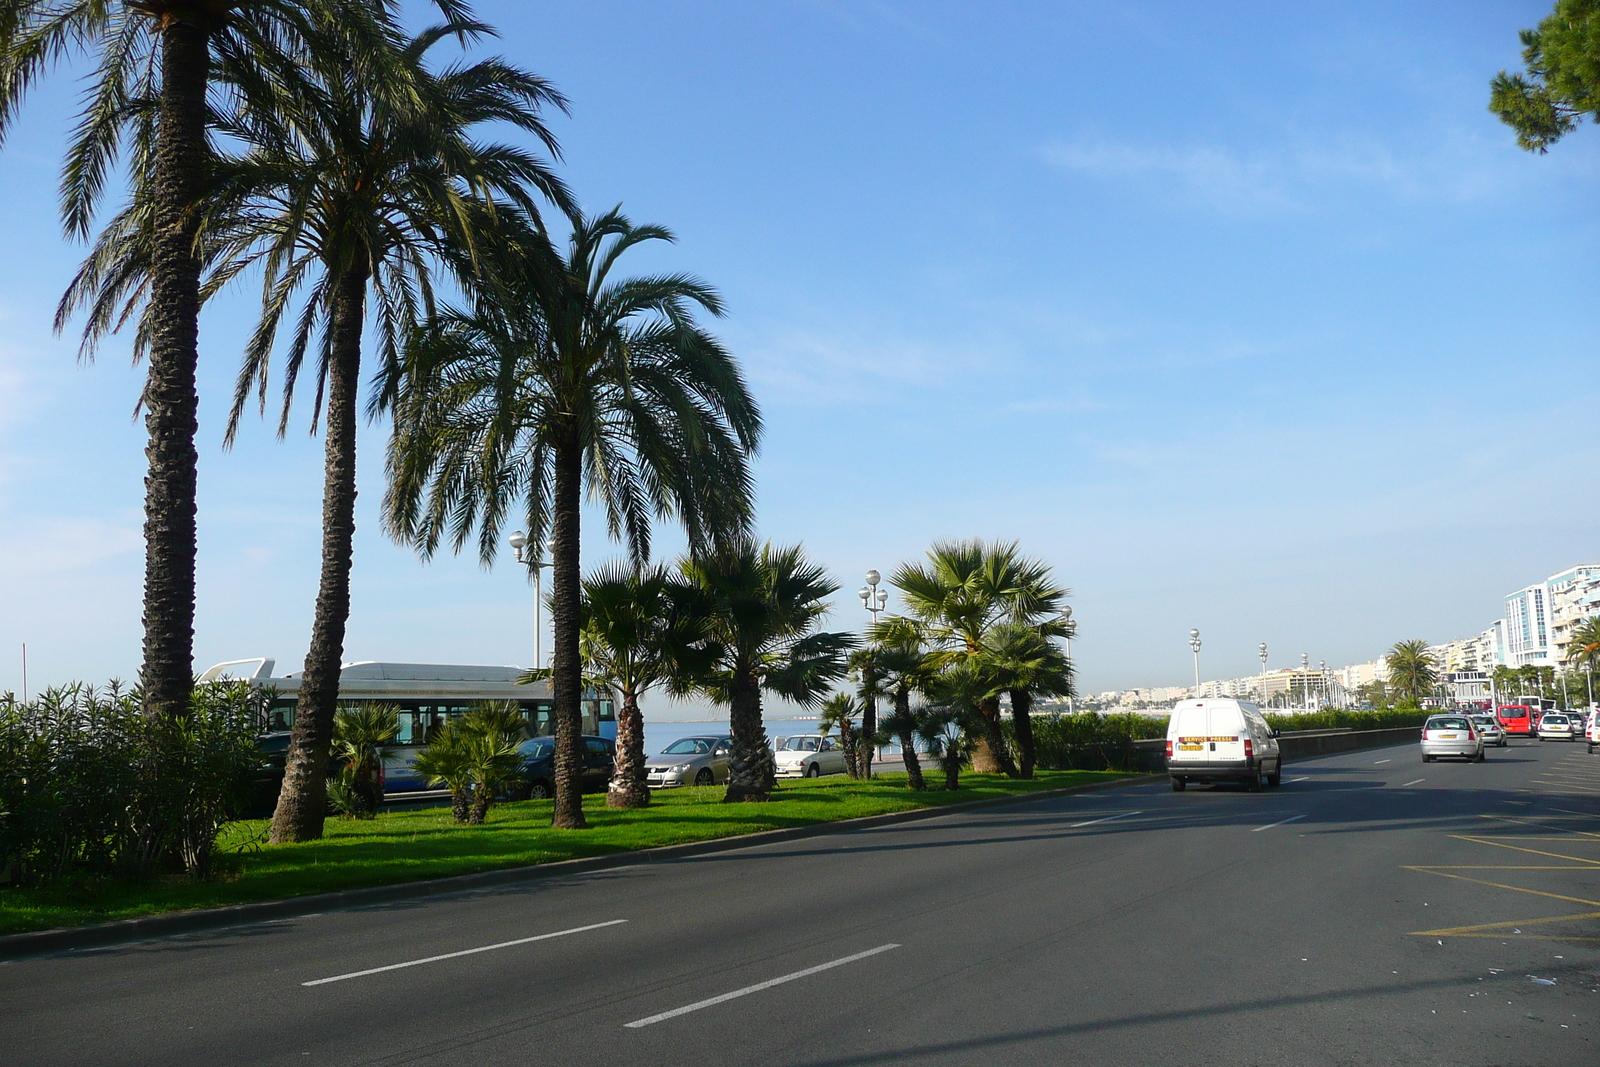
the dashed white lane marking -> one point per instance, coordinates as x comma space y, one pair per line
1302, 778
1108, 818
1280, 822
1376, 762
464, 952
1416, 781
758, 987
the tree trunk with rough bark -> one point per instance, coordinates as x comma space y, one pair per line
171, 405
566, 679
991, 753
908, 742
869, 726
852, 748
302, 802
750, 769
1022, 722
628, 786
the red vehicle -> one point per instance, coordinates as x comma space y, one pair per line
1517, 719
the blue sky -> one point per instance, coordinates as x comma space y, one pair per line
1244, 317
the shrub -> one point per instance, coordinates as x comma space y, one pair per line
1089, 740
89, 784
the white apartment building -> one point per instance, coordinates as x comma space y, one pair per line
1492, 647
1574, 595
1528, 627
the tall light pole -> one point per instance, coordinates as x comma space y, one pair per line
1262, 649
1305, 690
528, 556
873, 599
1066, 620
1194, 646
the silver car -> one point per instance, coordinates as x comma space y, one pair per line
690, 761
1491, 730
1555, 725
1451, 735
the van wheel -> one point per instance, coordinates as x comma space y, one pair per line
1255, 782
1178, 785
1275, 779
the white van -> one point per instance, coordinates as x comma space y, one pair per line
1221, 741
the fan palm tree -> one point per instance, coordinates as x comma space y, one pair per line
1411, 670
965, 590
1024, 661
362, 736
951, 734
559, 378
1583, 649
840, 712
637, 628
155, 62
765, 604
447, 763
902, 667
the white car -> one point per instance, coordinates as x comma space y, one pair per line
807, 756
1555, 726
1592, 733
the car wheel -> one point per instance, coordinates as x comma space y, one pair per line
1254, 782
1178, 785
539, 790
1275, 779
1427, 759
705, 777
812, 770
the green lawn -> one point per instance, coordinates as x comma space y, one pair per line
413, 845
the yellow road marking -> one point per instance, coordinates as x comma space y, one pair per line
1533, 851
1462, 931
1502, 885
1525, 821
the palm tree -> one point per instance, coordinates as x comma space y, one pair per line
965, 589
638, 628
1023, 661
155, 62
1583, 649
839, 712
446, 762
558, 378
765, 604
951, 734
362, 736
902, 667
1411, 670
349, 192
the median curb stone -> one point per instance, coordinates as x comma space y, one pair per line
123, 931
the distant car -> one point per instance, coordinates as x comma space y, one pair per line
690, 761
1451, 735
1516, 719
1591, 733
1555, 726
537, 779
1492, 732
807, 756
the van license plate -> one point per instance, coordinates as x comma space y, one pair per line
1190, 748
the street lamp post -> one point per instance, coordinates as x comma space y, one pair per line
528, 556
1194, 646
873, 599
1262, 649
1322, 683
1305, 690
1066, 619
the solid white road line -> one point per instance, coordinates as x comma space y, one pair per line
1376, 762
1280, 822
758, 987
1302, 778
1108, 818
464, 952
1418, 781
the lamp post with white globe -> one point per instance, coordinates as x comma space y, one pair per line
1262, 649
1194, 646
1066, 620
528, 555
873, 599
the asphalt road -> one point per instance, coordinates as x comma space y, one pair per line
1373, 910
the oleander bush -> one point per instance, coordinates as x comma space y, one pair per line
91, 786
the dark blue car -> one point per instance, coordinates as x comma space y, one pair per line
538, 776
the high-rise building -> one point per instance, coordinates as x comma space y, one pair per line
1528, 627
1574, 595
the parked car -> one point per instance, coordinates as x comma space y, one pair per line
807, 756
1556, 726
1451, 735
1491, 730
1221, 741
690, 761
537, 779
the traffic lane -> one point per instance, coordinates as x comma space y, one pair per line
980, 832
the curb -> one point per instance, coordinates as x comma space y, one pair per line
122, 931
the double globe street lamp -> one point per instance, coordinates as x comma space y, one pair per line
1194, 646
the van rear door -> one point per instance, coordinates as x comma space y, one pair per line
1226, 734
1190, 738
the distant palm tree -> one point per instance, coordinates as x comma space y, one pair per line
446, 762
1583, 649
1024, 661
560, 378
951, 734
840, 712
155, 63
638, 629
965, 590
362, 740
765, 606
903, 667
1411, 671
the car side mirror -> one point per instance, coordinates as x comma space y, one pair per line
1274, 733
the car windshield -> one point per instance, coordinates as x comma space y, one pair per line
1450, 723
538, 748
688, 746
800, 744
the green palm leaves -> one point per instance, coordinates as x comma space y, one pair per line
473, 757
1412, 673
362, 736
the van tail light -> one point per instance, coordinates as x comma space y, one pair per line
1169, 749
1249, 749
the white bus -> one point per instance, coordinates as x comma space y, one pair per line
427, 694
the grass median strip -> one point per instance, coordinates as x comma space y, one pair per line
413, 846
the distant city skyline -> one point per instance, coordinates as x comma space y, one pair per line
1299, 361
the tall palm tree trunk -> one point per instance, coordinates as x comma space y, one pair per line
869, 726
171, 406
749, 763
302, 802
566, 682
991, 753
628, 787
908, 743
1022, 720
